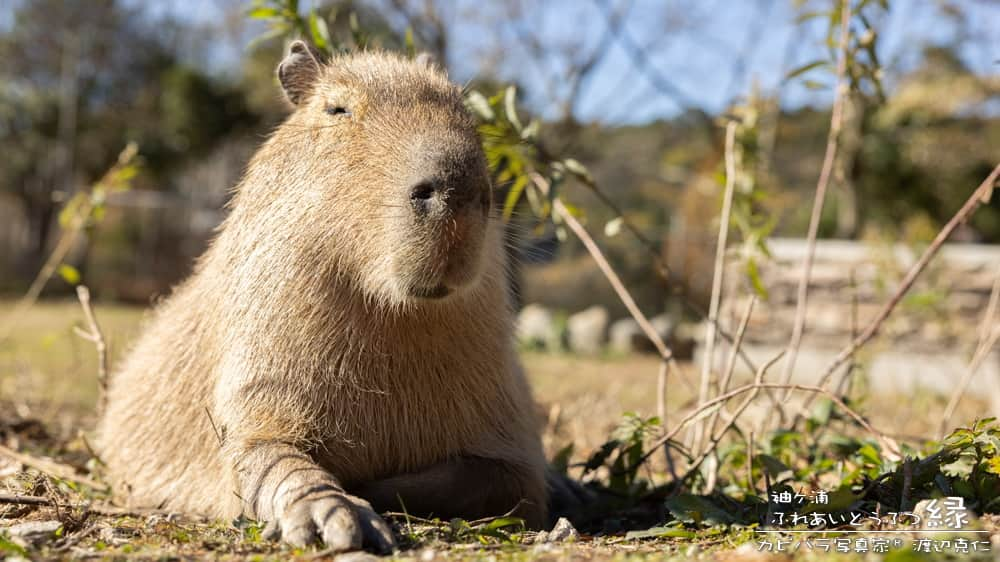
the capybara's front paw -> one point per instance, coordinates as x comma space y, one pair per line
341, 521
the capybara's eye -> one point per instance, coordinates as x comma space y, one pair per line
337, 110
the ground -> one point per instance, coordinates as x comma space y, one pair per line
48, 389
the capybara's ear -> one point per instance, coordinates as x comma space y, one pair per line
298, 71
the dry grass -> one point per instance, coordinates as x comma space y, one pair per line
48, 373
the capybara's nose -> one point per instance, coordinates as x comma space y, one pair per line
438, 197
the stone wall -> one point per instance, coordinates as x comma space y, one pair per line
926, 343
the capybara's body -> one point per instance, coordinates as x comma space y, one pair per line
346, 338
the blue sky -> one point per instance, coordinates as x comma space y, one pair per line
692, 44
698, 58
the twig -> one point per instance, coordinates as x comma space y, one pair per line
988, 336
904, 497
16, 499
661, 392
65, 243
979, 197
95, 336
844, 385
832, 138
52, 468
659, 266
727, 375
717, 437
717, 278
24, 500
595, 252
694, 415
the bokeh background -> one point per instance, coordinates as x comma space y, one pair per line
636, 90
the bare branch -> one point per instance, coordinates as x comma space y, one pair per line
988, 336
94, 335
887, 442
588, 242
717, 437
717, 278
50, 467
979, 197
832, 138
17, 499
727, 375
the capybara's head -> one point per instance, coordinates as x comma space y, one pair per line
386, 159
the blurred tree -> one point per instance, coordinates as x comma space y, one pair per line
80, 79
922, 153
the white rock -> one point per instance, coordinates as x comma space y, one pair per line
536, 327
34, 532
563, 531
625, 336
588, 330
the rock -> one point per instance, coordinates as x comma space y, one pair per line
536, 328
588, 330
33, 532
625, 336
663, 325
563, 531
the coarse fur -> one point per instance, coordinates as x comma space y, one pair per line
332, 337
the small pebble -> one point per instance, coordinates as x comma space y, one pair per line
34, 532
562, 532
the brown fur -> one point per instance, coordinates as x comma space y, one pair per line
299, 339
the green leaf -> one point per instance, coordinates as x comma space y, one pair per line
69, 213
577, 169
574, 211
613, 227
408, 43
870, 454
503, 522
806, 16
8, 546
69, 274
777, 469
822, 411
479, 105
319, 31
753, 274
531, 131
814, 85
263, 13
961, 467
806, 68
661, 533
693, 509
513, 196
510, 107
